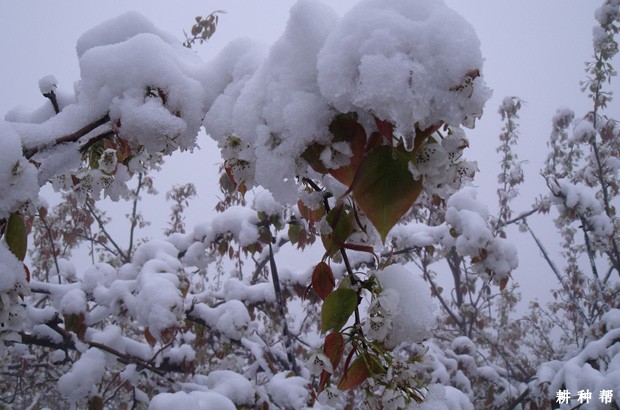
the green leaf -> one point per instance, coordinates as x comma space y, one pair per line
341, 223
323, 281
294, 232
384, 187
337, 308
312, 155
16, 236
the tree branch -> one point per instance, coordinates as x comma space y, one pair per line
69, 138
288, 340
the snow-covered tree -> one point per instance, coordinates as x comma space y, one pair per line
350, 134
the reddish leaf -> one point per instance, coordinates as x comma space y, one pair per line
384, 187
374, 141
325, 376
323, 281
503, 282
346, 128
149, 337
334, 348
27, 273
356, 374
311, 216
386, 129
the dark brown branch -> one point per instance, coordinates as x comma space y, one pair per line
52, 97
105, 136
74, 137
288, 340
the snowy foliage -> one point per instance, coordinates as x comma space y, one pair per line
351, 130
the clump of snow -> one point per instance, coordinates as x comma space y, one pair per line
429, 51
47, 84
195, 400
413, 313
288, 392
468, 218
18, 178
441, 397
230, 318
232, 385
74, 302
380, 59
278, 111
84, 377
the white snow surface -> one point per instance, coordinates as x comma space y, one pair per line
426, 48
413, 318
18, 178
83, 378
380, 59
195, 400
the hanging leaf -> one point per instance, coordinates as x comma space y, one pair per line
337, 308
386, 129
16, 236
323, 281
345, 128
342, 226
364, 366
312, 155
503, 282
384, 187
334, 348
355, 375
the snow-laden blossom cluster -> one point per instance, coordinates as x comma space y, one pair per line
265, 119
403, 311
468, 229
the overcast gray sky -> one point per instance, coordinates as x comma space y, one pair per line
533, 49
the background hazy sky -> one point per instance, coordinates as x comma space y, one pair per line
533, 49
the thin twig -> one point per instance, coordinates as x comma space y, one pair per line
69, 138
288, 340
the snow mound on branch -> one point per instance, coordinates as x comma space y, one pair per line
405, 61
410, 62
279, 111
288, 392
82, 380
232, 385
195, 400
18, 178
441, 397
145, 84
119, 29
413, 315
